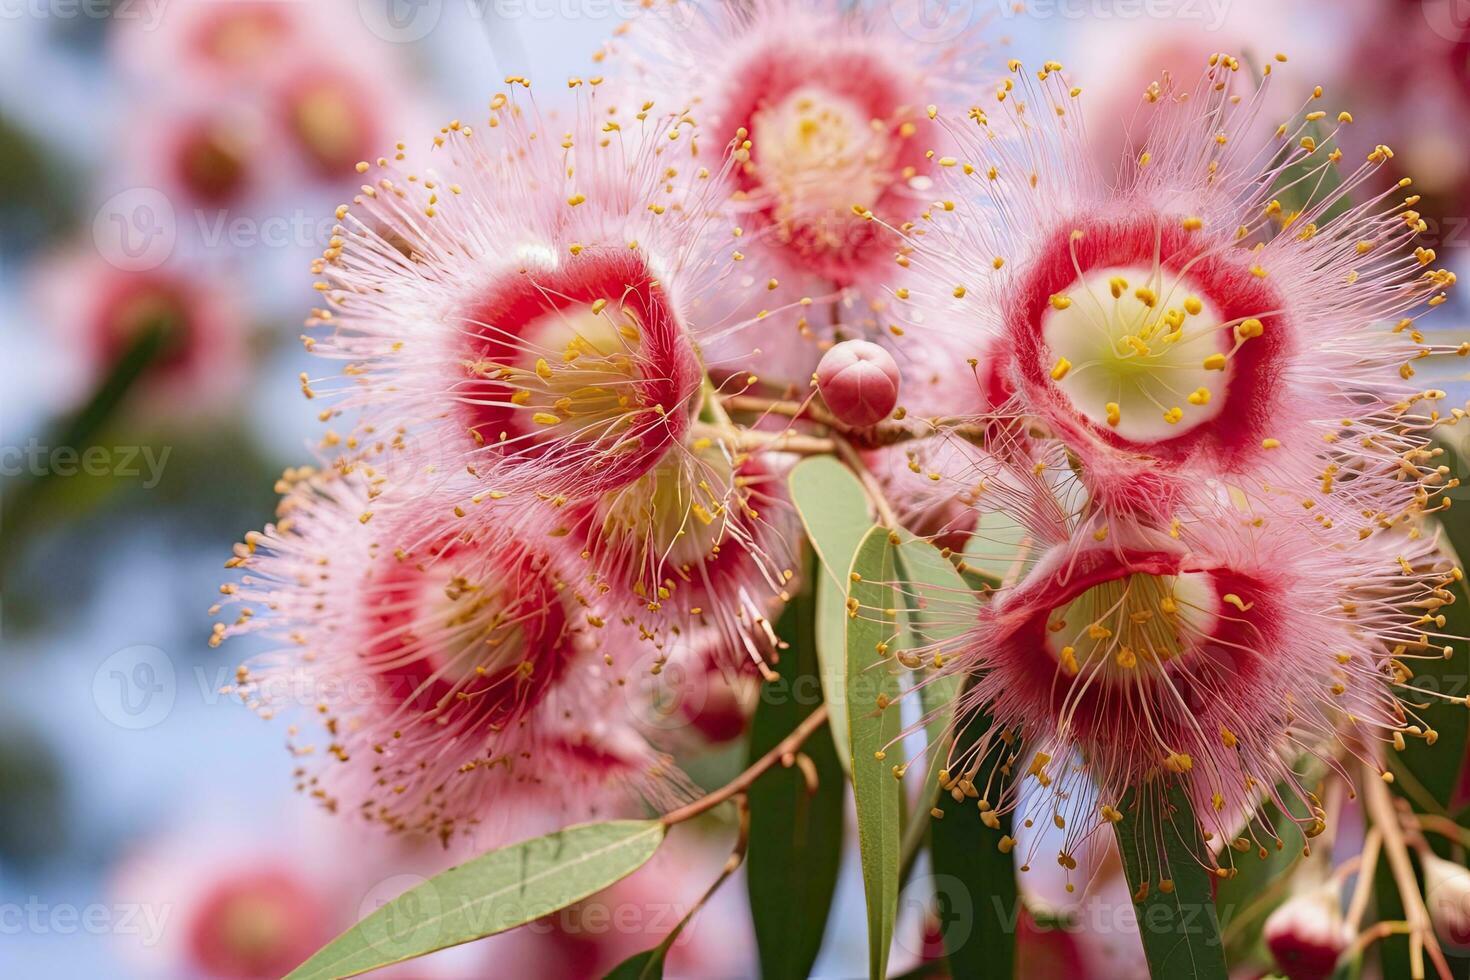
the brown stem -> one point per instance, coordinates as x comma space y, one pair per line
1386, 819
786, 747
1444, 827
785, 441
1367, 868
875, 493
737, 856
1371, 935
808, 409
883, 434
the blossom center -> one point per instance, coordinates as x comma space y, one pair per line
327, 121
671, 521
489, 641
1132, 626
585, 368
211, 162
1134, 350
577, 378
819, 153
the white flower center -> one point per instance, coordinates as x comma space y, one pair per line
819, 153
671, 520
1132, 626
468, 631
1135, 351
576, 375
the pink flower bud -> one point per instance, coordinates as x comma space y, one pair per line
1306, 934
1447, 893
859, 381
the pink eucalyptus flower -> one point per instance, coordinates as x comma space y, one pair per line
1211, 652
1306, 933
826, 102
98, 312
1182, 320
1420, 53
248, 101
702, 547
521, 305
228, 39
457, 671
217, 901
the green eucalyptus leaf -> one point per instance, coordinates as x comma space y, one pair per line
490, 894
872, 683
1176, 915
834, 511
796, 835
975, 880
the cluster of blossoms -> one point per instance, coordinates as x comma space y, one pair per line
579, 353
249, 100
542, 525
1201, 411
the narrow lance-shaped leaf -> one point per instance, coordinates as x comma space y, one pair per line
834, 511
490, 894
795, 835
938, 605
1167, 864
873, 721
979, 906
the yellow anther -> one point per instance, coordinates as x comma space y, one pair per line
1068, 658
1178, 762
